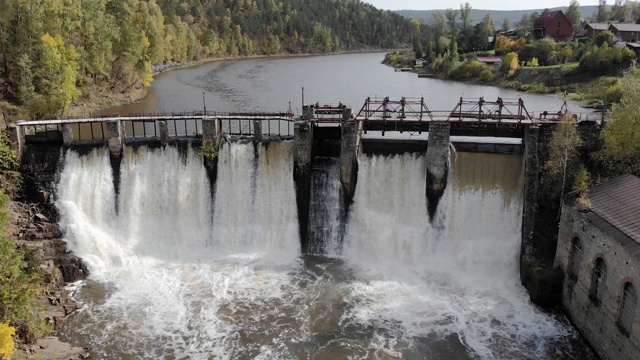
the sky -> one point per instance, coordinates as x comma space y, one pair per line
475, 4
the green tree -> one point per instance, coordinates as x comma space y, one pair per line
563, 149
605, 37
453, 52
416, 38
506, 24
573, 13
621, 135
602, 14
451, 22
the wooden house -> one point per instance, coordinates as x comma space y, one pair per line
554, 24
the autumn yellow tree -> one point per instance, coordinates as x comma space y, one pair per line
57, 73
510, 63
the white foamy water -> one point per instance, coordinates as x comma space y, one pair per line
326, 210
457, 275
183, 272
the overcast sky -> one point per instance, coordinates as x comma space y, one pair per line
476, 4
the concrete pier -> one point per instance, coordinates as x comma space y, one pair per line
349, 161
211, 138
16, 136
164, 132
530, 192
437, 164
67, 135
115, 132
303, 143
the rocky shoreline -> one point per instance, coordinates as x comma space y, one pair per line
32, 225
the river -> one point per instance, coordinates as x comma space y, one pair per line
270, 84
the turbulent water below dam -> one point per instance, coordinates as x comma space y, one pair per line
181, 271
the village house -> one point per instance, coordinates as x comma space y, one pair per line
626, 32
554, 24
599, 253
591, 30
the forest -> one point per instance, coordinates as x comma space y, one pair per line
51, 51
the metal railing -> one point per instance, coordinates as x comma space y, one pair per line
47, 133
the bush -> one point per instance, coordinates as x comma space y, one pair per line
510, 63
469, 70
487, 75
534, 62
20, 281
613, 94
605, 37
6, 340
8, 157
606, 60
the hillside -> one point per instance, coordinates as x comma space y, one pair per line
52, 51
477, 15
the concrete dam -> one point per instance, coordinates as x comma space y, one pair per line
289, 238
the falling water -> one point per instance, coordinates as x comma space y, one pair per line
326, 216
176, 275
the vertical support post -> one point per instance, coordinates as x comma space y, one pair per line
531, 168
349, 144
210, 129
115, 132
16, 136
303, 157
67, 135
210, 147
164, 132
437, 163
257, 131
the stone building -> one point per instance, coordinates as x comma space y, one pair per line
599, 253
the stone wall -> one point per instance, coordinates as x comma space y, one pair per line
303, 142
437, 163
542, 206
597, 322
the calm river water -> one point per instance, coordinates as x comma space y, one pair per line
269, 84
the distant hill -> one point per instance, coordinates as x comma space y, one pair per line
477, 15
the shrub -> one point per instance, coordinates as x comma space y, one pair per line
6, 340
20, 281
534, 62
605, 37
613, 94
487, 75
8, 157
510, 63
606, 60
468, 70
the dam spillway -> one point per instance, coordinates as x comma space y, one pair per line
182, 268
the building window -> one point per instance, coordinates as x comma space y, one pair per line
574, 258
627, 308
598, 281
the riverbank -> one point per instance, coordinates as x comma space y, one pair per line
97, 100
591, 91
31, 224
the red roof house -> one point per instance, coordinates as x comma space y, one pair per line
554, 24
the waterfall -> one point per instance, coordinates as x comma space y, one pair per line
457, 275
326, 213
180, 270
255, 208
